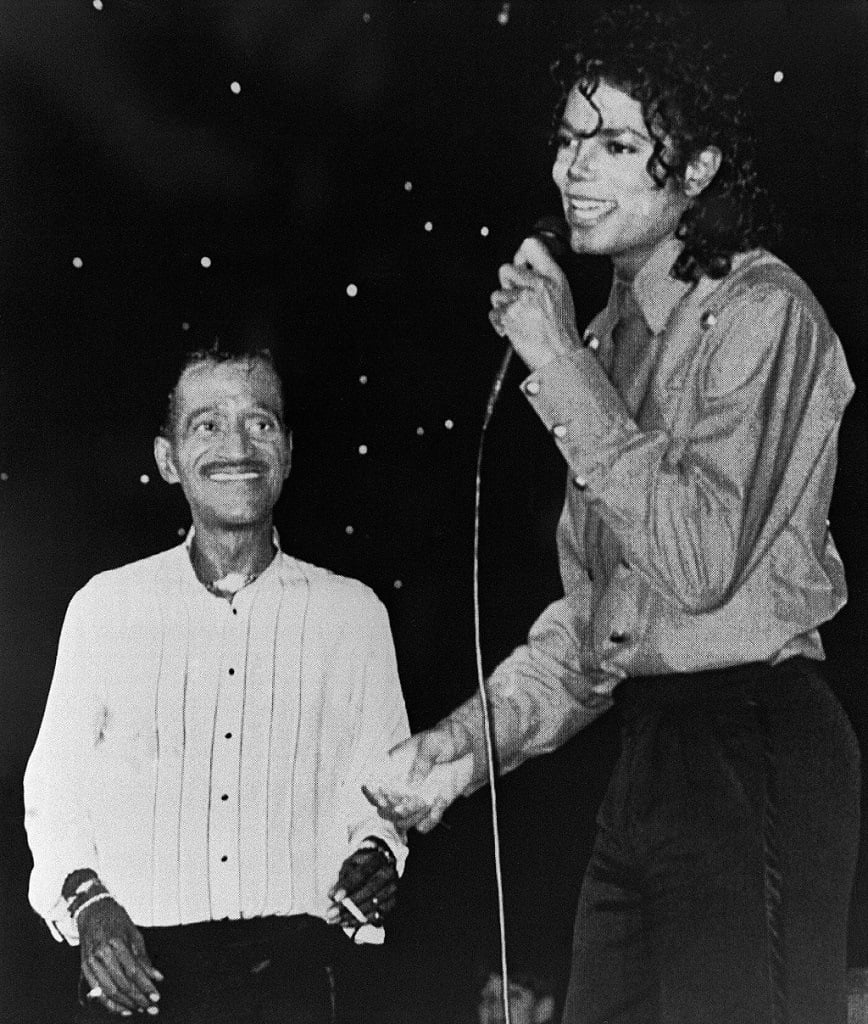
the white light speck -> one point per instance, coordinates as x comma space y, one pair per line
397, 584
483, 231
77, 262
97, 5
185, 326
408, 186
205, 261
352, 290
366, 17
778, 77
420, 431
503, 15
235, 87
363, 379
363, 449
182, 532
449, 424
4, 477
349, 531
144, 479
429, 226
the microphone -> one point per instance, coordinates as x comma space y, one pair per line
553, 232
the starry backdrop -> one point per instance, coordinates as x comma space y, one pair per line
347, 176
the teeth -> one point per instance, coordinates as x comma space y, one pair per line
590, 207
226, 477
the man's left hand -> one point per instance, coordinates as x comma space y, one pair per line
369, 878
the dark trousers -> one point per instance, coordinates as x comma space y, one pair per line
718, 887
260, 971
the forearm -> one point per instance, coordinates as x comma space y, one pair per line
677, 504
532, 710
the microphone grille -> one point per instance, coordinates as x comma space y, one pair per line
552, 230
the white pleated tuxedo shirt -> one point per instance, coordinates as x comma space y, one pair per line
205, 758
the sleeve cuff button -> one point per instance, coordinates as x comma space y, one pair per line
532, 387
559, 430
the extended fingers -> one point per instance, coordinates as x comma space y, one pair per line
104, 988
124, 984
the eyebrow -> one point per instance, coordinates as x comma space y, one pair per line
608, 133
214, 407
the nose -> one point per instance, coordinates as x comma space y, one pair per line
580, 159
236, 441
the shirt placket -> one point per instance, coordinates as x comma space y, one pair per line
224, 815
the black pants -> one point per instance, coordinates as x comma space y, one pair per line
261, 971
719, 883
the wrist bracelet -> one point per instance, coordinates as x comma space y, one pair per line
89, 901
373, 843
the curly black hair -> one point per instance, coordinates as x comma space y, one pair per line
688, 102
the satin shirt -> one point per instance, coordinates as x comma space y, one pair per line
699, 425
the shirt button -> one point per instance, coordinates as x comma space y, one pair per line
532, 387
559, 430
708, 319
580, 482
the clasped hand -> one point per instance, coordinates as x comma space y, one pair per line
422, 776
534, 306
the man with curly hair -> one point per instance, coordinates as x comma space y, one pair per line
698, 416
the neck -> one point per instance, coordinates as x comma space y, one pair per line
627, 264
217, 552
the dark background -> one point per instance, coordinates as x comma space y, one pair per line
123, 146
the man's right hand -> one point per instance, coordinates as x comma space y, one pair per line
422, 777
114, 960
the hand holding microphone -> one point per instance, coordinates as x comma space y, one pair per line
534, 307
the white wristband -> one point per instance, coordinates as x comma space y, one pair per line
91, 900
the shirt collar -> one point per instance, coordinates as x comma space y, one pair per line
275, 538
655, 290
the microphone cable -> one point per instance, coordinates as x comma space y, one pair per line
488, 731
554, 234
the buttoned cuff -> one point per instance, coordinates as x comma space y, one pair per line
583, 412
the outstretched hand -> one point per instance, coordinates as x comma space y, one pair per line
114, 962
422, 777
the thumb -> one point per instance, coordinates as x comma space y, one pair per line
534, 253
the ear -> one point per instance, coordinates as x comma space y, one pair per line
288, 466
165, 460
701, 171
544, 1011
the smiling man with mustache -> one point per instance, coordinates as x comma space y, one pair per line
193, 800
